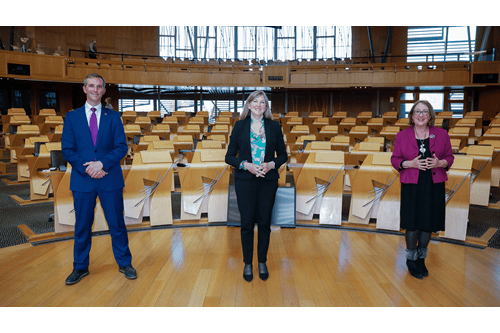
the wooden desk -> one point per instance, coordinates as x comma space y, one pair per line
376, 193
458, 198
147, 188
319, 185
205, 186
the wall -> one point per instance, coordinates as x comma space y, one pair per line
131, 40
397, 45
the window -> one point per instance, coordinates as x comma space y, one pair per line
441, 43
22, 99
48, 100
441, 101
265, 43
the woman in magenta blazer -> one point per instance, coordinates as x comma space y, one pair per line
422, 154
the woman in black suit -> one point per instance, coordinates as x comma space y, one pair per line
256, 151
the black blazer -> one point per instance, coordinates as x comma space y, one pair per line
240, 150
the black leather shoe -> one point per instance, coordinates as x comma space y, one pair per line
413, 268
421, 267
248, 272
76, 276
129, 271
263, 272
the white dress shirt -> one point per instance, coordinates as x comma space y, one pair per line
88, 113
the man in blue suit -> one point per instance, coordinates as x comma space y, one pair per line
94, 143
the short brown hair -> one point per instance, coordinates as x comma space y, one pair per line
91, 75
431, 112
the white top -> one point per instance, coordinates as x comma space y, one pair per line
88, 113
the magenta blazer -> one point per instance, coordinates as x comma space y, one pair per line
406, 148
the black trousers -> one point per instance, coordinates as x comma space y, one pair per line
255, 199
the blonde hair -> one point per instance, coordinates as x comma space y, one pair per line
431, 112
254, 95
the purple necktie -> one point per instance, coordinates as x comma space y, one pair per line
93, 126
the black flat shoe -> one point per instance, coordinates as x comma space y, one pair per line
421, 267
413, 268
263, 273
248, 272
76, 276
129, 271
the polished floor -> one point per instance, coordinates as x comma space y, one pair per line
202, 267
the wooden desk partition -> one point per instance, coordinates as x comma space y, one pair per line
374, 126
481, 174
363, 118
390, 118
15, 141
318, 124
183, 142
389, 133
346, 125
40, 183
376, 192
327, 132
358, 133
143, 122
403, 123
220, 129
131, 130
205, 186
319, 185
341, 142
337, 117
128, 117
355, 158
147, 188
57, 134
25, 152
492, 133
495, 122
64, 212
162, 130
15, 119
455, 145
495, 163
50, 123
458, 198
461, 133
377, 139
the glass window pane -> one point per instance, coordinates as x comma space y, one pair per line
436, 100
408, 97
456, 96
144, 105
126, 105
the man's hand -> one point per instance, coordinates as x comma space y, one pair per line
94, 169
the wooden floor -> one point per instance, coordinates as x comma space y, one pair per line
202, 266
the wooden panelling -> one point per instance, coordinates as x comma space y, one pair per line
321, 75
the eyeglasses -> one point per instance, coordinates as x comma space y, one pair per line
421, 112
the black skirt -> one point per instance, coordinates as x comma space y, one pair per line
423, 205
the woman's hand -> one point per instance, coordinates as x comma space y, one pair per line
416, 163
265, 167
254, 169
259, 170
434, 162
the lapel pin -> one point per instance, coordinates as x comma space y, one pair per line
432, 136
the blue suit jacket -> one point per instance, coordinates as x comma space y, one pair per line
240, 149
78, 148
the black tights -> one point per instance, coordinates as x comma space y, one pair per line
414, 237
